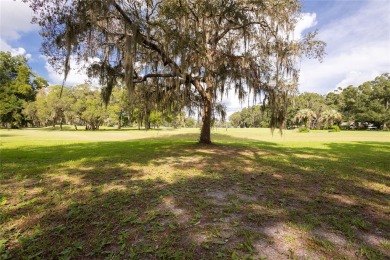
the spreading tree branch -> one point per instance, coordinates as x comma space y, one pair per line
154, 75
143, 40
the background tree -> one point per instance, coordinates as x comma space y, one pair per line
43, 111
311, 101
350, 105
381, 89
374, 99
88, 107
18, 85
58, 102
189, 122
174, 119
196, 48
334, 100
363, 105
156, 119
235, 119
254, 116
306, 116
94, 113
329, 117
30, 111
118, 109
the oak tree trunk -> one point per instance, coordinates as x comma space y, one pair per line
120, 120
205, 134
147, 119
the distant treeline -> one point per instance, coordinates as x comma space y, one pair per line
352, 107
82, 105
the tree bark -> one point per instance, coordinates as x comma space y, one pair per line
147, 119
207, 97
120, 120
205, 133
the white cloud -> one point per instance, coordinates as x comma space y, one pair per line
355, 78
15, 18
358, 50
4, 46
77, 74
307, 21
20, 51
14, 51
351, 67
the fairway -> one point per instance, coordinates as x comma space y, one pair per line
157, 194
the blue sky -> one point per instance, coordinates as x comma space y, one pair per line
357, 33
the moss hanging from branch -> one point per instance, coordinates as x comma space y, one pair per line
194, 51
130, 52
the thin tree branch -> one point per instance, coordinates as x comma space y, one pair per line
154, 75
217, 38
142, 39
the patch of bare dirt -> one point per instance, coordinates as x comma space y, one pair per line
342, 198
282, 242
375, 241
182, 216
218, 197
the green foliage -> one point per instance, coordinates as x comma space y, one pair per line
312, 101
334, 128
306, 116
189, 122
79, 106
18, 85
156, 118
371, 253
235, 119
329, 117
368, 102
87, 108
254, 116
303, 129
3, 249
118, 107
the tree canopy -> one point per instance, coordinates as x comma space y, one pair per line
18, 85
188, 51
367, 104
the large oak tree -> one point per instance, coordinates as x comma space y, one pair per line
196, 49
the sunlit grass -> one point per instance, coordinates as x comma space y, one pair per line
158, 194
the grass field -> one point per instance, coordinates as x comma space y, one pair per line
158, 194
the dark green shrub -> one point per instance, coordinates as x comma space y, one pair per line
264, 124
303, 129
334, 128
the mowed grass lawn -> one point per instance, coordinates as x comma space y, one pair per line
154, 194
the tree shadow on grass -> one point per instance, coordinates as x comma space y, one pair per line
6, 135
172, 198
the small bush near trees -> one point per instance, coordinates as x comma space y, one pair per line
303, 129
334, 128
